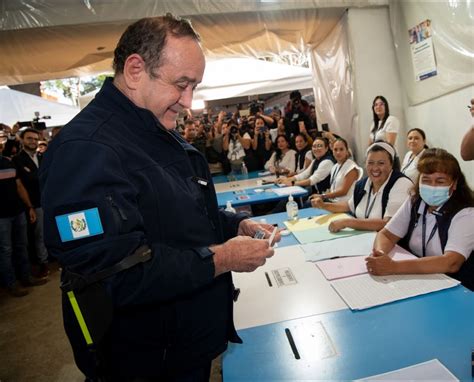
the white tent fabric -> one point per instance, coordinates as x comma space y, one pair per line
234, 77
18, 106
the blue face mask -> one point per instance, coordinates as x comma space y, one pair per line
434, 195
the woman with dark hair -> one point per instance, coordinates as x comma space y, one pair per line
282, 160
318, 173
344, 174
435, 224
416, 142
302, 147
376, 197
384, 126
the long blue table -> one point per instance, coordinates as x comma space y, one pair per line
233, 177
250, 196
347, 345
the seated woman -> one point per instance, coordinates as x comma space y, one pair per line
416, 142
282, 160
344, 174
435, 224
302, 147
318, 173
376, 197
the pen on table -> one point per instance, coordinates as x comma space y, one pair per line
272, 236
292, 343
268, 279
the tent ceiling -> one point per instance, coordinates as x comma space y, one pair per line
45, 39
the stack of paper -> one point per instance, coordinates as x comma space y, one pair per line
365, 291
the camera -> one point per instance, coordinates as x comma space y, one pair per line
254, 108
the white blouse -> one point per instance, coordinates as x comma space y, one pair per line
338, 173
392, 125
370, 206
460, 233
409, 166
287, 162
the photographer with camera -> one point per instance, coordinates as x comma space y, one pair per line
235, 144
296, 115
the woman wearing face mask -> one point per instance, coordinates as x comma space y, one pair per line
384, 126
344, 174
318, 173
435, 224
376, 197
282, 160
416, 142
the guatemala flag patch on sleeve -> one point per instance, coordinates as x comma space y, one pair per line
79, 225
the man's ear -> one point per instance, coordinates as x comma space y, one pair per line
133, 70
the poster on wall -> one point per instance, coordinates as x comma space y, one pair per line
422, 52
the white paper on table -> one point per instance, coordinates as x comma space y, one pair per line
356, 265
432, 370
365, 291
298, 290
357, 245
288, 190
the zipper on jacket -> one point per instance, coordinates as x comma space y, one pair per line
116, 207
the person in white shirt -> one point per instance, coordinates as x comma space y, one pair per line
302, 148
282, 160
384, 126
318, 173
435, 224
376, 197
344, 174
416, 142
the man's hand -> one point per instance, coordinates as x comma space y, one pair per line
241, 254
379, 264
32, 215
249, 227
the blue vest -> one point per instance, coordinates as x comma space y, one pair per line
359, 191
324, 184
443, 221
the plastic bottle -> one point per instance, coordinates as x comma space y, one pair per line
292, 209
245, 171
229, 208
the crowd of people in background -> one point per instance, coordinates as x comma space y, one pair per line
21, 215
285, 142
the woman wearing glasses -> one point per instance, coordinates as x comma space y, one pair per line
318, 173
376, 197
435, 224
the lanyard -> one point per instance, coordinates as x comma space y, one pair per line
423, 231
334, 176
369, 206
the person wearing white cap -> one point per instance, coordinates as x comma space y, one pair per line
376, 197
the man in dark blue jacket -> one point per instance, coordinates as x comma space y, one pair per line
119, 183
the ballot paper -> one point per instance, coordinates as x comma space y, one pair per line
342, 247
365, 291
350, 266
285, 288
432, 370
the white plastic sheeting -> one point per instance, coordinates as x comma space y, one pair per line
18, 106
452, 24
234, 77
45, 39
